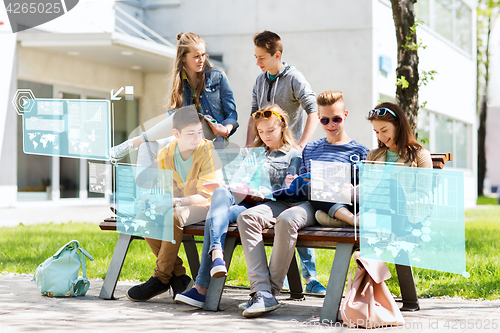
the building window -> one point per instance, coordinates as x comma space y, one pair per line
422, 10
424, 129
34, 172
452, 19
446, 135
463, 26
462, 137
443, 25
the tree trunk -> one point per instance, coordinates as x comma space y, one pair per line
406, 98
483, 110
481, 142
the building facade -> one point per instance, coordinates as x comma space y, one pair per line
338, 45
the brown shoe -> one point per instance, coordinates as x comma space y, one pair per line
325, 220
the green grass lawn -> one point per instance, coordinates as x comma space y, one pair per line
24, 247
483, 200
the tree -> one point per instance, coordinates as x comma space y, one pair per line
487, 12
407, 70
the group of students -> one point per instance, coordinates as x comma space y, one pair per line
203, 117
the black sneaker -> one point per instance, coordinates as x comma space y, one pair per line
180, 284
147, 290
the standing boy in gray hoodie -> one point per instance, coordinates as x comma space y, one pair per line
282, 84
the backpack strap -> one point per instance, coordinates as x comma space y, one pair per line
70, 244
80, 286
86, 253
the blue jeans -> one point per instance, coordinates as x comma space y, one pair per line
307, 262
222, 213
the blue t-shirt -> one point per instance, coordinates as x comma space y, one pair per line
322, 150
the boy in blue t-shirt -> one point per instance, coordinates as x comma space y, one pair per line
335, 147
289, 216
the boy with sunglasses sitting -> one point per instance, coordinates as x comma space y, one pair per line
290, 215
335, 147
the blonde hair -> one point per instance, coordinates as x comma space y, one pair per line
185, 40
330, 97
287, 139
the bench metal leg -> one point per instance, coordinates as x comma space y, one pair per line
294, 281
216, 286
408, 289
191, 254
336, 282
115, 266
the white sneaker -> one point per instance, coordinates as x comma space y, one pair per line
122, 150
245, 305
261, 304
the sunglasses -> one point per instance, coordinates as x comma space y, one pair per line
265, 114
336, 120
380, 112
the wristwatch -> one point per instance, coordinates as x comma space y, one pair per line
178, 202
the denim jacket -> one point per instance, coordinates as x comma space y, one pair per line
216, 100
281, 162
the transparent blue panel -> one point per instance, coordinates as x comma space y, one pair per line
413, 216
68, 128
331, 182
144, 202
99, 173
245, 169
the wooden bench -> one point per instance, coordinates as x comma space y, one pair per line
343, 240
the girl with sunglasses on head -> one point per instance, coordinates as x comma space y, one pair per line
194, 82
271, 132
396, 142
397, 146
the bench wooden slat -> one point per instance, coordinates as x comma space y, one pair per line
439, 160
309, 234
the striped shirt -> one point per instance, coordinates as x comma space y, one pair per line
322, 150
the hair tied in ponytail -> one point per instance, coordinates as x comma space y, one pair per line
179, 36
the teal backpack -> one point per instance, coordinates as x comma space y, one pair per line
58, 275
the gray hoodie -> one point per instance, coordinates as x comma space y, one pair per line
290, 91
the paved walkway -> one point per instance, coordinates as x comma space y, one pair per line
39, 213
23, 309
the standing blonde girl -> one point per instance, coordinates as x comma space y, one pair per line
195, 83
